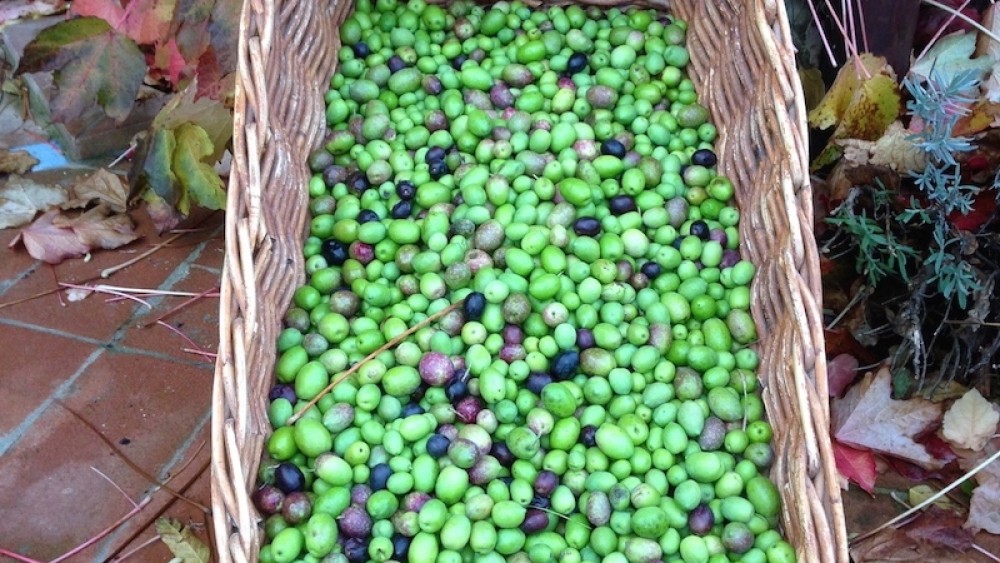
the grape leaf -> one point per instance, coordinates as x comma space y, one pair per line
181, 541
970, 422
103, 186
856, 465
151, 170
199, 179
92, 64
21, 199
868, 417
48, 242
950, 56
208, 113
99, 227
145, 21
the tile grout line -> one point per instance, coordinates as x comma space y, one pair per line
11, 438
5, 285
118, 349
109, 543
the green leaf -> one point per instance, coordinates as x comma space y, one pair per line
182, 542
93, 64
209, 114
151, 171
950, 56
200, 180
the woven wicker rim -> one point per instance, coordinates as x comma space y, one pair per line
743, 67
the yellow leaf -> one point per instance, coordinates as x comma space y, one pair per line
920, 493
841, 94
970, 422
182, 543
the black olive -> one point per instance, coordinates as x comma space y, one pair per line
503, 454
576, 63
402, 210
475, 304
651, 270
395, 64
289, 478
433, 154
356, 550
614, 147
411, 409
379, 476
361, 49
700, 229
358, 182
405, 189
537, 381
621, 204
437, 445
565, 364
438, 168
587, 226
367, 216
334, 251
456, 390
282, 391
457, 62
400, 547
704, 157
588, 436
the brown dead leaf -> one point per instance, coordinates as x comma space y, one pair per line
990, 48
868, 417
103, 186
22, 198
50, 243
970, 421
99, 228
936, 535
16, 162
984, 509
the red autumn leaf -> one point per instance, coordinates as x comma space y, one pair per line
909, 470
841, 371
935, 445
841, 341
983, 209
50, 243
93, 64
855, 464
167, 62
145, 21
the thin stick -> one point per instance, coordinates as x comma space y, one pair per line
129, 462
209, 355
115, 485
930, 500
196, 297
940, 30
178, 332
145, 502
144, 291
963, 17
107, 272
850, 305
388, 345
984, 552
137, 549
55, 278
128, 152
822, 34
864, 29
17, 556
107, 289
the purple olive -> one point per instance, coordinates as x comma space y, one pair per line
435, 369
297, 508
701, 520
513, 334
268, 499
283, 391
355, 522
537, 381
289, 478
535, 521
414, 501
468, 408
546, 482
360, 494
621, 204
585, 338
587, 226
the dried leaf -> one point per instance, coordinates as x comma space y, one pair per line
16, 162
93, 64
199, 179
103, 186
50, 243
984, 508
991, 49
861, 107
11, 10
896, 150
856, 465
145, 21
209, 114
936, 535
21, 199
181, 541
165, 217
841, 371
98, 228
868, 417
919, 493
950, 56
970, 422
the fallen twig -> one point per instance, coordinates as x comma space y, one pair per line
214, 292
107, 272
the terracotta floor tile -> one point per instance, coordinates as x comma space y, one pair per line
50, 498
14, 265
198, 321
35, 365
92, 317
149, 405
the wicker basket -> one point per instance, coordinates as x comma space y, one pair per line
743, 66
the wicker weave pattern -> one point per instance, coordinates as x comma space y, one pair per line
743, 66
